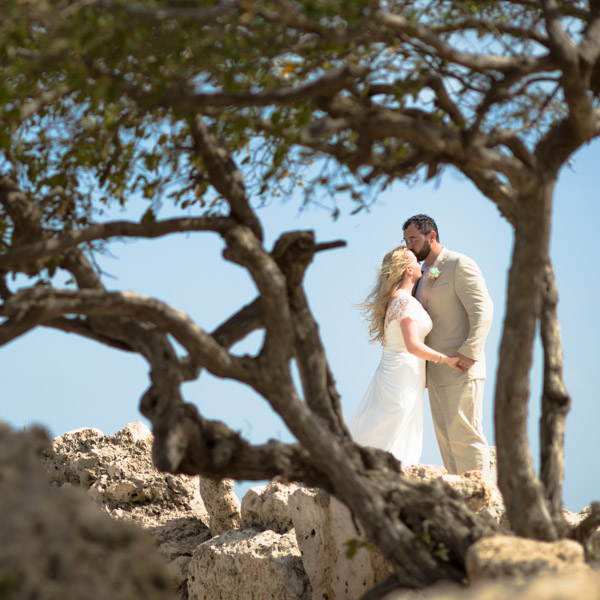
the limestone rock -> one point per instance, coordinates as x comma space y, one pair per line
177, 539
493, 466
577, 586
592, 545
471, 488
425, 472
248, 564
576, 518
118, 474
222, 504
325, 532
56, 543
268, 506
479, 494
502, 556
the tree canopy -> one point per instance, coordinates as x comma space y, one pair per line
217, 107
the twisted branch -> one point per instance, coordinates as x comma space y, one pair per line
19, 256
48, 304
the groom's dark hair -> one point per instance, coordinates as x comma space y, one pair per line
423, 223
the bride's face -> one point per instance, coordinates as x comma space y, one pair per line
415, 266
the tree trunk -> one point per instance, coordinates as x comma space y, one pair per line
555, 405
522, 491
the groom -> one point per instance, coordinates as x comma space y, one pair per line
453, 292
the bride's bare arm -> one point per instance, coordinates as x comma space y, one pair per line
410, 333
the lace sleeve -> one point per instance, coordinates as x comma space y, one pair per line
400, 307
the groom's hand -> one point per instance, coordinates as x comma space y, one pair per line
464, 362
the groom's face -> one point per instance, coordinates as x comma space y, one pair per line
417, 242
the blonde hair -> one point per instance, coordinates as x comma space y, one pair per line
389, 276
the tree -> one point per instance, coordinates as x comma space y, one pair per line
215, 106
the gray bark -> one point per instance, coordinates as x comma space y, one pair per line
556, 403
522, 491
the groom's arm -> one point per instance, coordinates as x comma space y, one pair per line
473, 294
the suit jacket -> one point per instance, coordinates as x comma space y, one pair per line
461, 309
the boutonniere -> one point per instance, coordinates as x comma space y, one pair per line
434, 273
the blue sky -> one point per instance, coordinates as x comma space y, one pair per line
63, 382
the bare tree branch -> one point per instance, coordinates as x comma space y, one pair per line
11, 329
442, 142
251, 317
244, 244
188, 443
25, 216
47, 304
560, 43
575, 72
571, 9
589, 51
225, 176
498, 92
476, 62
293, 252
445, 102
244, 249
497, 191
481, 25
563, 139
238, 326
5, 293
182, 98
589, 47
75, 262
515, 145
83, 328
52, 247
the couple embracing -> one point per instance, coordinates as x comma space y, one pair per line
432, 321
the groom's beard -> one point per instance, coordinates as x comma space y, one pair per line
424, 251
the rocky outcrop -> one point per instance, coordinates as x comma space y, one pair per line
578, 586
336, 556
511, 556
425, 472
117, 473
268, 506
56, 544
285, 541
248, 564
221, 503
339, 561
478, 494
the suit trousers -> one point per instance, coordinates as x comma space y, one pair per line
457, 418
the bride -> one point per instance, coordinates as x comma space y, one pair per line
390, 415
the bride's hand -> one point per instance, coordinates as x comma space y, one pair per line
452, 362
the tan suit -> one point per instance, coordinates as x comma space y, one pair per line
460, 307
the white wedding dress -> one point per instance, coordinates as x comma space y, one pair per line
390, 415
